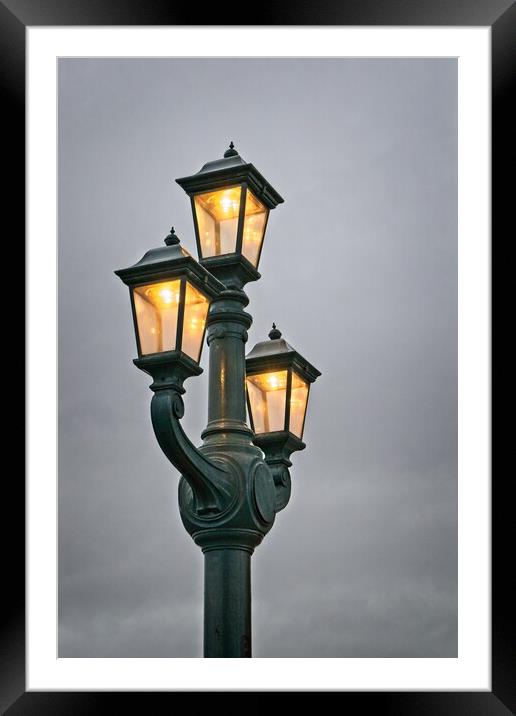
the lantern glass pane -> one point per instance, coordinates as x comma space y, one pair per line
157, 310
298, 401
254, 228
196, 310
267, 397
217, 220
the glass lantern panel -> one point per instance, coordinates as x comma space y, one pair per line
254, 228
157, 309
217, 220
267, 397
298, 401
196, 310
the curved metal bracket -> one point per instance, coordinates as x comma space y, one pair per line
278, 447
282, 483
210, 483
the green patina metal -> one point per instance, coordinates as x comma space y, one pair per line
233, 485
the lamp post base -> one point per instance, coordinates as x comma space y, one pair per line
227, 591
227, 603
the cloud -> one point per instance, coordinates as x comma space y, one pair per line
359, 271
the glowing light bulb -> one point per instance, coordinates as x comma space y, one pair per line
228, 202
225, 203
273, 381
166, 295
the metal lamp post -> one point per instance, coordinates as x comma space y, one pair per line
233, 485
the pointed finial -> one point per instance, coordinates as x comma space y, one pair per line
274, 333
231, 152
172, 238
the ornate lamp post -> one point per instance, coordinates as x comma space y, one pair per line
233, 485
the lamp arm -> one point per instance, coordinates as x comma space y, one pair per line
277, 448
282, 482
209, 482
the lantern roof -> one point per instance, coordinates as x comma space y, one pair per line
231, 169
276, 353
170, 261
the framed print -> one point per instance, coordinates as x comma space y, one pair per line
386, 567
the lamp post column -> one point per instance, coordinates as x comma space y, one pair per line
227, 326
228, 539
227, 599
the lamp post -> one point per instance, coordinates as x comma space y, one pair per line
232, 486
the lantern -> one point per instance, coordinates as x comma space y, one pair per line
278, 382
170, 296
230, 202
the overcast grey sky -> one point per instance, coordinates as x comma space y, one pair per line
359, 271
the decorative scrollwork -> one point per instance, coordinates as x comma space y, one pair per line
209, 481
177, 406
283, 476
282, 481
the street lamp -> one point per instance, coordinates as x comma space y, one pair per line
231, 201
278, 382
233, 485
170, 294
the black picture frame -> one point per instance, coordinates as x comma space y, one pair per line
15, 16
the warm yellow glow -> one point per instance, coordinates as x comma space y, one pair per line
217, 220
267, 398
196, 310
254, 228
223, 204
160, 294
267, 394
158, 309
270, 381
230, 204
167, 296
217, 215
298, 401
